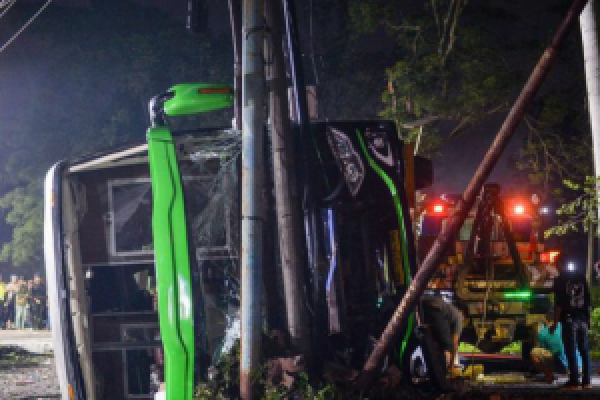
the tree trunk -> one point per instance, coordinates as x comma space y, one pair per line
289, 220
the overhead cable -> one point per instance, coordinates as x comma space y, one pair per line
25, 26
7, 7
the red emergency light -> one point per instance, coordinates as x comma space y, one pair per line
438, 208
519, 209
549, 256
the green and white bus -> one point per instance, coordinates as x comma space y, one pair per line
142, 248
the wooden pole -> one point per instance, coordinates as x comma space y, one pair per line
289, 219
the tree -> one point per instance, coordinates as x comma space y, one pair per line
448, 71
25, 215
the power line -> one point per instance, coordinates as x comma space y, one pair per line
8, 6
25, 26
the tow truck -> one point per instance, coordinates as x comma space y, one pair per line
499, 265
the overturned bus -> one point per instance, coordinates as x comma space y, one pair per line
142, 248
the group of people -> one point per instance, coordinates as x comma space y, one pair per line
562, 339
23, 303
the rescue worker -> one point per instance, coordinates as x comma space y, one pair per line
549, 355
446, 323
572, 309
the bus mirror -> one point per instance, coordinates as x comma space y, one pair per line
195, 98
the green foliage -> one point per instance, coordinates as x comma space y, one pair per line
224, 383
580, 212
559, 163
224, 380
594, 331
302, 389
553, 160
448, 69
25, 215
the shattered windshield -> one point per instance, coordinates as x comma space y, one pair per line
210, 170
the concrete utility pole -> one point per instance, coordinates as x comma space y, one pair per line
289, 219
589, 37
253, 121
431, 262
235, 11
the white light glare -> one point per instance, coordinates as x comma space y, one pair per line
545, 210
571, 266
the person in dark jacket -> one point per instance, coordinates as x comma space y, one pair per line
38, 302
572, 310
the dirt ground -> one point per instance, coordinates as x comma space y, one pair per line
25, 375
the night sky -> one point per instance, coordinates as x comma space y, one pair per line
63, 90
455, 162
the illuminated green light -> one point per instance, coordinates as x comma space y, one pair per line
521, 294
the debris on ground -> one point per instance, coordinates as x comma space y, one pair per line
27, 375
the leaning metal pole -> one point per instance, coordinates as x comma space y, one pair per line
253, 84
437, 251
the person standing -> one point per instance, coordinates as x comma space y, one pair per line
2, 305
29, 308
9, 301
572, 310
38, 302
21, 299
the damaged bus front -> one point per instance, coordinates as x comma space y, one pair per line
108, 325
